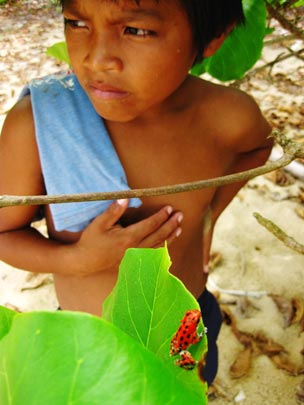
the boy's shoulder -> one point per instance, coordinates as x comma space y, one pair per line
227, 102
233, 115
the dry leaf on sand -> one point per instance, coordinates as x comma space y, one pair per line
300, 392
283, 363
298, 306
285, 307
242, 363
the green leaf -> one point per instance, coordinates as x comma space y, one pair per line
269, 30
59, 51
241, 49
148, 303
6, 316
299, 3
72, 358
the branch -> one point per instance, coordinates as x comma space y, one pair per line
279, 234
292, 150
279, 39
296, 54
279, 58
288, 25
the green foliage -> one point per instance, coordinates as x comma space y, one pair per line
299, 3
74, 358
280, 2
59, 51
161, 302
162, 299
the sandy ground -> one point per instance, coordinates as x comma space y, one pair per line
252, 260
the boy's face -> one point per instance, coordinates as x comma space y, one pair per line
129, 58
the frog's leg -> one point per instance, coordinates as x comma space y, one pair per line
186, 360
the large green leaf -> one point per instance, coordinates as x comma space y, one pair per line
241, 49
148, 303
71, 358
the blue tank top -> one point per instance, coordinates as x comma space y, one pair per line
75, 149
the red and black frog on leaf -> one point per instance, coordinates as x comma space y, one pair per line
187, 335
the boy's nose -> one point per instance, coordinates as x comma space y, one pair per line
102, 55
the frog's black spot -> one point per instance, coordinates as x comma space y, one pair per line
182, 338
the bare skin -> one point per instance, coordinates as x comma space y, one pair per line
167, 127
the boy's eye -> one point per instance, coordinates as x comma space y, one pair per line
139, 32
74, 23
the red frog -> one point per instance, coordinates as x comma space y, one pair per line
186, 335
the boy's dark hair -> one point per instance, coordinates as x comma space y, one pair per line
212, 18
208, 18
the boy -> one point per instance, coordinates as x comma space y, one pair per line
130, 115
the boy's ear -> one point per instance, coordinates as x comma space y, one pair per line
216, 43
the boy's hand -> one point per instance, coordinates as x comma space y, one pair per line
103, 243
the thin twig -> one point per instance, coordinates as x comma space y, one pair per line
296, 54
279, 39
278, 59
288, 25
279, 233
292, 150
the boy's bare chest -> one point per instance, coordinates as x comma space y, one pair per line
152, 161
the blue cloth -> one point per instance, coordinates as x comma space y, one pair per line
75, 149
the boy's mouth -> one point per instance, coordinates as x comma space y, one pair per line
105, 91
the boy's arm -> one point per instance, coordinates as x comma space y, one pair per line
100, 246
253, 147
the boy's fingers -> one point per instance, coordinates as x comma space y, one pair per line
167, 231
112, 214
156, 233
142, 229
150, 232
161, 242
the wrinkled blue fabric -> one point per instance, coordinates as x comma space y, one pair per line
75, 149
